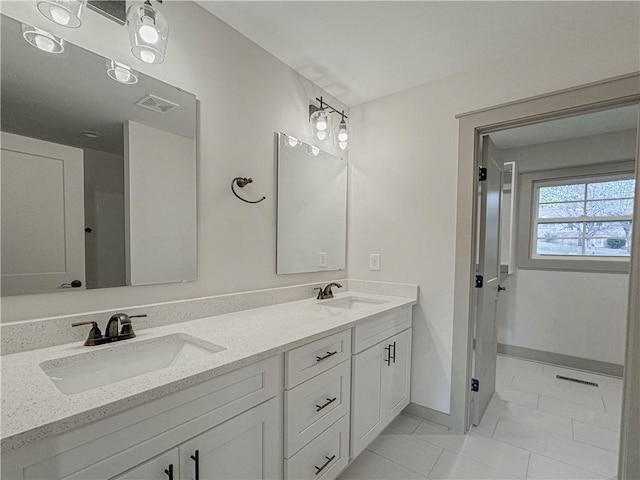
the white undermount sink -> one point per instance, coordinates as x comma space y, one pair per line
79, 373
351, 303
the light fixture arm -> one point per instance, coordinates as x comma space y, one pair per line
324, 106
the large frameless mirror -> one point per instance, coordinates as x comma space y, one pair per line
312, 208
98, 171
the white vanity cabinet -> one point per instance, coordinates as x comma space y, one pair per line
234, 421
381, 377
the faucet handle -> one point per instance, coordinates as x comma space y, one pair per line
320, 293
94, 333
125, 322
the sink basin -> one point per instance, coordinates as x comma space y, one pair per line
79, 373
351, 303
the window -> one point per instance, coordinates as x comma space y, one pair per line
588, 217
576, 219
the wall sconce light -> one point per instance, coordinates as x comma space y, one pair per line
45, 41
148, 32
313, 150
121, 73
320, 120
67, 13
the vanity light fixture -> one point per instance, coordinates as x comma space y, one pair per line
148, 32
121, 73
342, 134
45, 41
91, 134
67, 13
320, 120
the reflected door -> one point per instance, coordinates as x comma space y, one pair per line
42, 216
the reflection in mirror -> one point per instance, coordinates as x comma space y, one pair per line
98, 172
312, 208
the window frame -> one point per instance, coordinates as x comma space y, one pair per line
528, 209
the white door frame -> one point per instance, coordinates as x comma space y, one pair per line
617, 91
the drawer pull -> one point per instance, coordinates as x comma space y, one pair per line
329, 402
169, 471
329, 460
329, 354
196, 458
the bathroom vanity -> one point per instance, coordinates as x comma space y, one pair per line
294, 391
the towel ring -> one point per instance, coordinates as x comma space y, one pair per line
243, 182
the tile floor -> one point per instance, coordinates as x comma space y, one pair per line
536, 427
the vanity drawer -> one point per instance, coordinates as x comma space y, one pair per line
314, 405
316, 357
324, 458
380, 328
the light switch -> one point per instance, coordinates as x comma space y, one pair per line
374, 261
322, 259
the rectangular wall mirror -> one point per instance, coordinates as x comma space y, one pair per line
98, 172
312, 208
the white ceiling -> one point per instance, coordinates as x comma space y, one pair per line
363, 50
606, 121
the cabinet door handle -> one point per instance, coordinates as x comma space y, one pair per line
329, 402
196, 458
329, 354
169, 471
388, 359
324, 465
394, 353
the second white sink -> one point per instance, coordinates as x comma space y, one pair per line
79, 373
351, 303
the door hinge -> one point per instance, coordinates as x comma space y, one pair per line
482, 174
475, 384
479, 281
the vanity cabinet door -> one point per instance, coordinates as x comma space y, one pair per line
162, 467
247, 446
380, 388
396, 381
367, 415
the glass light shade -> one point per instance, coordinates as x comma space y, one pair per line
320, 124
342, 136
121, 73
292, 142
67, 13
148, 33
42, 40
313, 150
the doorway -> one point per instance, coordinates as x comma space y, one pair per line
600, 96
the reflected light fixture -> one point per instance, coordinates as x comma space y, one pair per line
320, 121
342, 134
313, 150
121, 73
67, 13
148, 32
292, 142
45, 41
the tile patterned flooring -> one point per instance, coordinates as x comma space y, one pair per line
536, 427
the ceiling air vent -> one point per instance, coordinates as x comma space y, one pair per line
157, 104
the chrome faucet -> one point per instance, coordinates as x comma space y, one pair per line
111, 334
325, 293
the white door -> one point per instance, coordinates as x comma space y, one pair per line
42, 216
162, 467
248, 446
489, 270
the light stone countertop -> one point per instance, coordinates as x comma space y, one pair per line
34, 409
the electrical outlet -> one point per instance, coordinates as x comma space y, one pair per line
374, 261
322, 259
